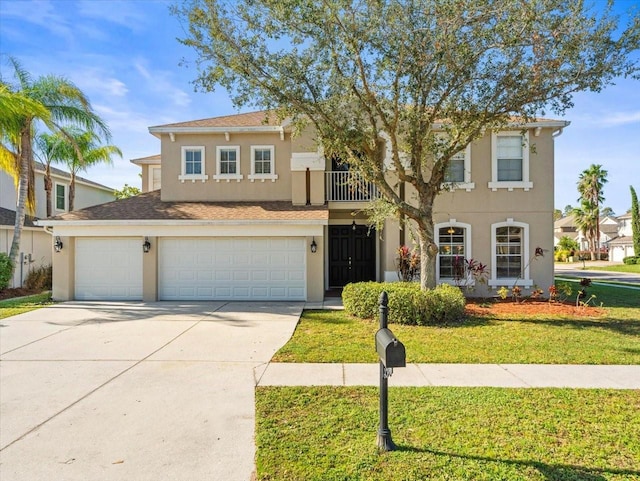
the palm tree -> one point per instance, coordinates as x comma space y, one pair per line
58, 102
49, 150
586, 221
590, 184
79, 150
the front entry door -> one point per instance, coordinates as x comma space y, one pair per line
352, 254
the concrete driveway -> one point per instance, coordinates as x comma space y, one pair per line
135, 391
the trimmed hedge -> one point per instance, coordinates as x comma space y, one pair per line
5, 270
408, 304
631, 260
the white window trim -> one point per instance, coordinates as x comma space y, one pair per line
228, 177
262, 177
466, 184
467, 244
525, 280
55, 197
192, 177
525, 183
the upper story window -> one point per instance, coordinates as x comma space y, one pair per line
155, 177
458, 174
193, 164
510, 249
228, 163
263, 163
61, 197
510, 161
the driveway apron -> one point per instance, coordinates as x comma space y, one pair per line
144, 391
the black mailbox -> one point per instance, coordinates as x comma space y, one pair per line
390, 350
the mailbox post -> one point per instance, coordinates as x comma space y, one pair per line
392, 354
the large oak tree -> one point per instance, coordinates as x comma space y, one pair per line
364, 70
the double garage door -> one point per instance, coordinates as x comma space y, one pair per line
225, 268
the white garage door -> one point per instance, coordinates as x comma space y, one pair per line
108, 269
246, 268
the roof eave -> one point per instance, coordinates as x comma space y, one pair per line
175, 222
159, 130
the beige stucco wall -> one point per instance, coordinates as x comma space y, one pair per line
64, 271
482, 207
212, 190
150, 272
35, 247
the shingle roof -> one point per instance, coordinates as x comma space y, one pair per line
8, 217
40, 167
250, 119
148, 206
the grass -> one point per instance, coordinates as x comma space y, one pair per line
329, 433
614, 338
12, 307
631, 268
615, 296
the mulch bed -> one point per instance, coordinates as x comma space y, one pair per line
529, 307
12, 292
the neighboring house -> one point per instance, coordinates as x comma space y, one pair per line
615, 235
622, 245
36, 244
246, 212
565, 226
150, 172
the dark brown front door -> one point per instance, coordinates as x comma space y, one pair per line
352, 254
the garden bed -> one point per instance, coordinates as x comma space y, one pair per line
508, 307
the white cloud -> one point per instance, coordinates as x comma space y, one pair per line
125, 13
93, 80
159, 82
621, 118
41, 13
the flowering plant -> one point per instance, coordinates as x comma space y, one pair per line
469, 270
407, 264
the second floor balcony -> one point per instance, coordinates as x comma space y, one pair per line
345, 186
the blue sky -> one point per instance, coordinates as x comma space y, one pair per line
124, 55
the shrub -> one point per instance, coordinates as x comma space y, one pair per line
408, 304
444, 304
39, 278
5, 270
631, 260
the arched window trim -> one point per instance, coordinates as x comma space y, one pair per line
525, 280
467, 245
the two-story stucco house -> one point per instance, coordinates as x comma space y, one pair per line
236, 207
35, 243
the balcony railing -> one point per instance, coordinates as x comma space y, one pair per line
349, 187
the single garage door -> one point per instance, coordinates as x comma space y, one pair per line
108, 269
232, 268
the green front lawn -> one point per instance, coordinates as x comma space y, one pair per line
329, 433
12, 307
632, 268
613, 338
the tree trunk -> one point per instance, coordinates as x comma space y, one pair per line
428, 253
72, 191
25, 157
48, 187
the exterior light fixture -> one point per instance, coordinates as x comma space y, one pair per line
314, 246
57, 245
451, 230
353, 225
146, 246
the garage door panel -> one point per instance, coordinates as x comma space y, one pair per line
108, 269
232, 268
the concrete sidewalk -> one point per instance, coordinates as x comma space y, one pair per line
465, 375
